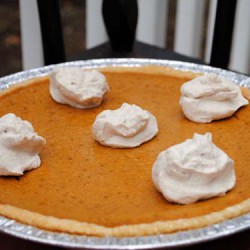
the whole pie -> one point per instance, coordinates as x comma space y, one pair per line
85, 188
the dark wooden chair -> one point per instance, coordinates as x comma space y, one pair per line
118, 23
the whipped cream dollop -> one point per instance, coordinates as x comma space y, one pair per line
78, 88
19, 146
209, 97
193, 170
126, 127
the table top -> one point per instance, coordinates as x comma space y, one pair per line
237, 241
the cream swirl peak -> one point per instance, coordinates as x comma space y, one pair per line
19, 146
193, 170
126, 127
78, 88
209, 97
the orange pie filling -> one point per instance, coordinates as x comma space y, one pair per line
83, 182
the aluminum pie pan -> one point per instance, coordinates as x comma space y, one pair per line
177, 239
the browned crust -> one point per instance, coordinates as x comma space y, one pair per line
245, 92
158, 227
153, 69
150, 69
21, 85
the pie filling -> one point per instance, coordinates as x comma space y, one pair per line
81, 180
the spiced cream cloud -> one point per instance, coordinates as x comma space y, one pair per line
193, 170
126, 127
209, 97
19, 146
77, 87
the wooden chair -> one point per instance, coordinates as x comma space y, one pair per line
53, 47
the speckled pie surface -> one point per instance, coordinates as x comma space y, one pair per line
85, 162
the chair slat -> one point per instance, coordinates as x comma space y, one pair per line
51, 28
32, 49
152, 22
240, 55
189, 26
223, 31
95, 29
210, 29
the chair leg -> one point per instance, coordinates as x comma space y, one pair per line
223, 32
50, 21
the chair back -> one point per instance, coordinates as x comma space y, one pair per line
209, 30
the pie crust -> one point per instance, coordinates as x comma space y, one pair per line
159, 227
55, 223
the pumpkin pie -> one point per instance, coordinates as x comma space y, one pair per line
85, 188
